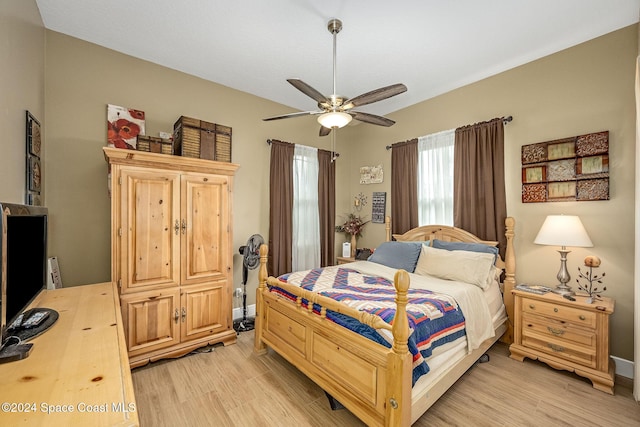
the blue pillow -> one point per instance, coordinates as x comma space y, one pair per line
464, 246
397, 255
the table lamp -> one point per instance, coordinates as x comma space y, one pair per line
563, 231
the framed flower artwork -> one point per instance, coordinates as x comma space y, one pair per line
123, 126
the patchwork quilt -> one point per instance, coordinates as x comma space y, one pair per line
434, 319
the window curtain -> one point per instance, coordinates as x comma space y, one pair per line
327, 206
305, 253
404, 186
479, 199
435, 178
281, 207
281, 198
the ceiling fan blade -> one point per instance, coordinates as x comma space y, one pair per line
308, 90
375, 95
324, 131
372, 118
291, 115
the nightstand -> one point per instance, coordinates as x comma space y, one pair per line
568, 335
344, 260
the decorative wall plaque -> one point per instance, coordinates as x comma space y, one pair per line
33, 166
371, 174
378, 206
568, 169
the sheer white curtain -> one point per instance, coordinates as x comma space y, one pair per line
306, 218
435, 178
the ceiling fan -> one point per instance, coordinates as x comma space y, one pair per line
336, 111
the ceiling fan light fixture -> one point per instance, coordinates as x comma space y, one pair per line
334, 119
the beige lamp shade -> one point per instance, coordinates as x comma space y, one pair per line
563, 230
334, 119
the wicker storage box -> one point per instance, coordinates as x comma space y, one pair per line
154, 145
200, 139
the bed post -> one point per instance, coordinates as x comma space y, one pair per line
258, 346
387, 228
398, 391
510, 277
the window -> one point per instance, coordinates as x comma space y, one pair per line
306, 217
435, 178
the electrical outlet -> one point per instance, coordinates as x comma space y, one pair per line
238, 292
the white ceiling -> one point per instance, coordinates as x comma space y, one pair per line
255, 45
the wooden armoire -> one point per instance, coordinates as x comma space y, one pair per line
171, 251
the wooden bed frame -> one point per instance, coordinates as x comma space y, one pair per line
372, 381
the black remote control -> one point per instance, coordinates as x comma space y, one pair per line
569, 297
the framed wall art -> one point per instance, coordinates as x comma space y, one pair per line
378, 207
568, 169
33, 166
123, 126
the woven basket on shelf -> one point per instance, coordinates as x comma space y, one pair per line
200, 139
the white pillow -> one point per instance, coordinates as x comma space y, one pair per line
461, 266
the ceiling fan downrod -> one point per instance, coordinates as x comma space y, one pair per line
334, 26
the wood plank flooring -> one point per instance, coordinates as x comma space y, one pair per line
230, 386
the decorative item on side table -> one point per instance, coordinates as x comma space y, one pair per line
353, 226
563, 231
594, 292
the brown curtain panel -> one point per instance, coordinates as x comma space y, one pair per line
479, 200
281, 207
327, 206
404, 186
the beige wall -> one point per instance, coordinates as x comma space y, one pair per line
21, 88
585, 89
81, 80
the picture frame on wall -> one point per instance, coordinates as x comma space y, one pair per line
34, 138
567, 169
33, 164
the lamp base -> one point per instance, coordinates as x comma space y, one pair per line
563, 275
563, 290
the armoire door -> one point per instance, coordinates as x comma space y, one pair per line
205, 209
150, 229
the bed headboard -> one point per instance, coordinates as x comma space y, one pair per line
446, 233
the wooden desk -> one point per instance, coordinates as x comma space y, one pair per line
78, 370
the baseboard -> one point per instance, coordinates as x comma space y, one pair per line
237, 312
624, 367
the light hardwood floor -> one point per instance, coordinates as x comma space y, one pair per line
230, 386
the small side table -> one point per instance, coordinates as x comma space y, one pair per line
344, 260
568, 335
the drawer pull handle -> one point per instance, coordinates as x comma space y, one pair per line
555, 331
177, 227
184, 226
556, 347
176, 316
531, 306
184, 314
581, 317
555, 310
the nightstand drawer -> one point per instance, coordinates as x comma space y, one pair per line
572, 315
582, 355
558, 329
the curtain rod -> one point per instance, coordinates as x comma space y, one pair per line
505, 120
335, 154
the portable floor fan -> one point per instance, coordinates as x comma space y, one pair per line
250, 260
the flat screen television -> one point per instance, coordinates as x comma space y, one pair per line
23, 255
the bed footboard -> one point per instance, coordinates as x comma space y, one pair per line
372, 381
